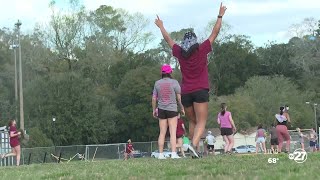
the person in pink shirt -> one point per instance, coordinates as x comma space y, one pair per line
193, 59
227, 128
261, 139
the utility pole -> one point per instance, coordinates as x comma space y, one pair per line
14, 47
18, 24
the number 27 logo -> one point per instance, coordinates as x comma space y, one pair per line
299, 155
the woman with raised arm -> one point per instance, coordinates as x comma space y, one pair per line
193, 58
301, 138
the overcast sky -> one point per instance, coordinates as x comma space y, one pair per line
262, 20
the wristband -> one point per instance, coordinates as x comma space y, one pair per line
219, 16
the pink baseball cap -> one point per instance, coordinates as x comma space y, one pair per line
166, 69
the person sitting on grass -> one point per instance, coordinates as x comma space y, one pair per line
261, 139
186, 144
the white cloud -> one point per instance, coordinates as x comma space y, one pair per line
255, 7
29, 12
147, 7
260, 19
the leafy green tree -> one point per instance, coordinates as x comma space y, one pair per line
82, 115
269, 93
38, 139
274, 59
66, 32
231, 64
134, 101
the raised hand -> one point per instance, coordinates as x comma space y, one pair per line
158, 22
222, 10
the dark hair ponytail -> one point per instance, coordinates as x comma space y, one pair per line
166, 76
281, 110
223, 108
10, 123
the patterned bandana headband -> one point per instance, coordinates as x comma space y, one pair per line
188, 44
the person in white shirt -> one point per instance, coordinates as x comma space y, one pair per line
210, 140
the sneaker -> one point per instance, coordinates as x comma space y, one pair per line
174, 155
194, 152
161, 156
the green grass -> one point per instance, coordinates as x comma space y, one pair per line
219, 167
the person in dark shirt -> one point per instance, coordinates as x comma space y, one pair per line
274, 139
193, 60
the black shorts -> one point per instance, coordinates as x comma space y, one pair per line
210, 147
312, 144
226, 131
200, 96
164, 114
274, 141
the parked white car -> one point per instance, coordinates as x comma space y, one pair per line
245, 149
166, 153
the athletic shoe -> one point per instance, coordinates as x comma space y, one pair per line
161, 156
194, 152
174, 155
2, 156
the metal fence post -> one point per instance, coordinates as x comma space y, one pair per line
86, 152
119, 151
22, 156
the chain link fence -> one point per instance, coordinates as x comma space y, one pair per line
97, 152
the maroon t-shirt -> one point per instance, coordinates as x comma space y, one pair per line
129, 148
14, 141
180, 130
194, 69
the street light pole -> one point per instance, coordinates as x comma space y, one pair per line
18, 24
54, 133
